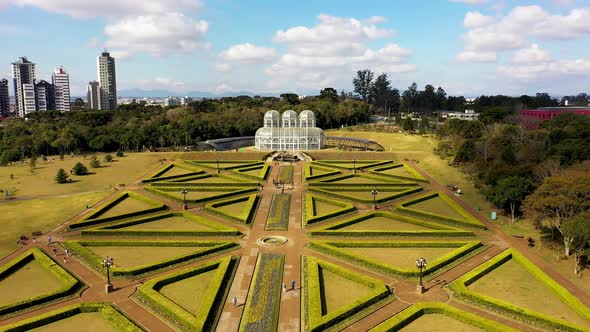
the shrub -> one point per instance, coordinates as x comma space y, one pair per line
61, 176
80, 169
94, 162
120, 153
108, 158
9, 155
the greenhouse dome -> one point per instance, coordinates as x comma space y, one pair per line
294, 133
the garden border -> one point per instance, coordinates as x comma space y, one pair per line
278, 211
337, 163
307, 170
262, 175
417, 176
333, 191
157, 177
246, 216
163, 192
239, 181
309, 215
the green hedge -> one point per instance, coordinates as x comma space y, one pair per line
95, 261
336, 192
469, 219
261, 311
183, 182
332, 248
109, 312
247, 214
384, 182
337, 229
416, 176
157, 176
95, 218
308, 170
223, 164
313, 320
71, 284
118, 228
417, 310
164, 192
262, 175
310, 211
360, 163
459, 289
211, 302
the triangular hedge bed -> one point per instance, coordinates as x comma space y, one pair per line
312, 215
245, 216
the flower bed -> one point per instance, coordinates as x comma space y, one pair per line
286, 174
261, 312
278, 216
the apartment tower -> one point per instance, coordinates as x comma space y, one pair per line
23, 72
61, 83
93, 96
107, 81
4, 98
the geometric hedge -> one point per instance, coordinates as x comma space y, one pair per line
363, 195
256, 173
400, 172
211, 301
312, 213
199, 194
314, 172
182, 171
350, 165
243, 211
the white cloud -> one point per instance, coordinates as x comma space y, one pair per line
532, 54
156, 34
471, 2
477, 20
223, 67
471, 56
159, 83
326, 54
108, 8
222, 88
248, 53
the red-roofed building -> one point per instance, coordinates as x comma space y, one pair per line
533, 118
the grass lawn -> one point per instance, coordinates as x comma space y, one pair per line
337, 291
357, 179
367, 194
170, 223
382, 223
188, 292
175, 171
127, 205
436, 205
399, 171
235, 208
27, 282
208, 179
24, 217
438, 323
131, 256
321, 208
87, 322
510, 282
317, 171
399, 257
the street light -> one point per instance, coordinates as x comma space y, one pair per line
108, 262
217, 165
184, 192
374, 192
421, 264
354, 165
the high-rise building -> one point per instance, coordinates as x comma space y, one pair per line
45, 95
107, 81
186, 100
4, 98
61, 82
23, 72
93, 95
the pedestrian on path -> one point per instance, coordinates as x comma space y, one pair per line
65, 260
234, 301
54, 252
284, 287
67, 252
293, 283
48, 240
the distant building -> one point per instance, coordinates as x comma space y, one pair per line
171, 101
23, 73
468, 115
186, 100
107, 80
61, 83
289, 131
93, 96
45, 95
4, 98
533, 118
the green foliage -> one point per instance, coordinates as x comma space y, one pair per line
108, 158
211, 303
509, 193
262, 175
309, 170
385, 194
165, 192
415, 175
94, 162
80, 169
466, 152
159, 175
9, 155
70, 286
278, 215
245, 216
459, 289
286, 174
61, 176
312, 215
120, 153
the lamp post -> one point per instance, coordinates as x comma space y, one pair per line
217, 165
108, 262
420, 264
354, 165
184, 192
374, 192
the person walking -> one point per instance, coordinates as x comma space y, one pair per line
48, 240
234, 301
284, 287
65, 260
293, 283
54, 252
67, 252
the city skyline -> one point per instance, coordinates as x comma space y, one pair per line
468, 47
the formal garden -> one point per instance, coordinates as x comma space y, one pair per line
238, 242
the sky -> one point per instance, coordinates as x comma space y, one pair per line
468, 47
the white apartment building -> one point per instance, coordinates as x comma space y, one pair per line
93, 96
23, 72
468, 115
27, 103
171, 101
107, 81
61, 83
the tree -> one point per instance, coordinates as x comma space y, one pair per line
9, 155
108, 158
578, 230
291, 98
383, 96
559, 198
61, 176
509, 193
120, 153
362, 84
94, 162
80, 169
466, 152
33, 163
408, 124
329, 93
78, 104
410, 97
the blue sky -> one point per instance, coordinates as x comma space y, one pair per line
468, 47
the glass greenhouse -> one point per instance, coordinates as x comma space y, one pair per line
289, 132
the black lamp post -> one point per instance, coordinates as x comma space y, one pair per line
184, 192
217, 165
354, 165
420, 264
374, 192
108, 262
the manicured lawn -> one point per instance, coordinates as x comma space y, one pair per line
367, 194
357, 179
510, 282
400, 257
170, 223
337, 291
399, 171
128, 205
438, 323
436, 205
317, 171
381, 223
24, 217
134, 256
254, 172
188, 292
209, 179
235, 208
175, 171
87, 322
29, 281
324, 208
